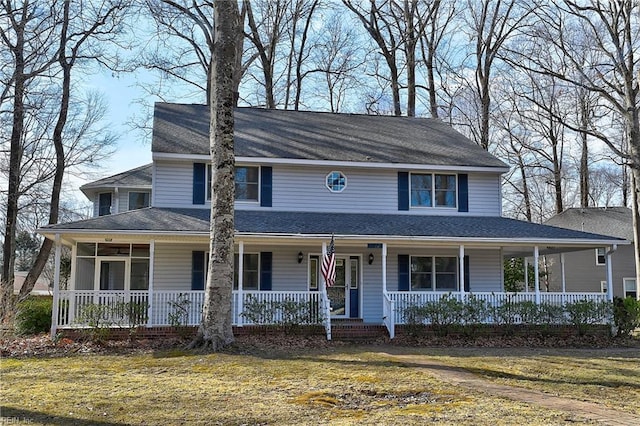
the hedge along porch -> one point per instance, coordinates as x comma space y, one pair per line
378, 274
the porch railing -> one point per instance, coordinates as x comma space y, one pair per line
388, 314
404, 299
183, 308
170, 308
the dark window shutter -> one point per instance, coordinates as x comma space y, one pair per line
199, 183
463, 192
266, 179
403, 272
197, 270
403, 191
467, 285
266, 258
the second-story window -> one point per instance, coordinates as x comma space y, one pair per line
336, 181
247, 183
138, 200
433, 190
104, 204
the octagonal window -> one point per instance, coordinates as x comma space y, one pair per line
336, 182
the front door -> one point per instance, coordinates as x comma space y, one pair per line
343, 296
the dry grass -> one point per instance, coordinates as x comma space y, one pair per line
607, 376
338, 385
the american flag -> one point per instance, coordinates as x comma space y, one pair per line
329, 264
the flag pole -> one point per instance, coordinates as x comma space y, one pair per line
325, 298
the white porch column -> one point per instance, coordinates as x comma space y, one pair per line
384, 268
461, 271
56, 287
152, 251
564, 277
116, 202
610, 272
526, 274
240, 280
536, 278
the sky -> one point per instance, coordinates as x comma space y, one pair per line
132, 149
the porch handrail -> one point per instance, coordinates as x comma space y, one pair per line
406, 299
388, 312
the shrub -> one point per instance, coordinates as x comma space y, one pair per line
288, 313
34, 315
179, 315
585, 313
626, 315
474, 310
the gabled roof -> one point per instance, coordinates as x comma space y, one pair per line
138, 177
303, 135
442, 228
614, 221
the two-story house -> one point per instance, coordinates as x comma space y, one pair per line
586, 270
413, 205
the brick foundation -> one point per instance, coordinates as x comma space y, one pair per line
345, 331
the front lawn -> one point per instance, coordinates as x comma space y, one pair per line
329, 385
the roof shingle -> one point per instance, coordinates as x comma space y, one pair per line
286, 134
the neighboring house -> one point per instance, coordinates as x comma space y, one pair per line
125, 191
414, 206
586, 270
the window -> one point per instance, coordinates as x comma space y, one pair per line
603, 286
250, 271
246, 182
433, 190
138, 200
600, 256
314, 262
430, 273
630, 289
118, 266
336, 181
104, 204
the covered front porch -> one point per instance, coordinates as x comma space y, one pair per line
77, 308
147, 274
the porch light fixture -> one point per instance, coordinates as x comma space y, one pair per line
300, 257
371, 258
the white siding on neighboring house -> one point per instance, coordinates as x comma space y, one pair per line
173, 184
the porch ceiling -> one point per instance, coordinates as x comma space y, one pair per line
400, 229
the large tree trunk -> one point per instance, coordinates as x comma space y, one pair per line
15, 158
216, 330
54, 206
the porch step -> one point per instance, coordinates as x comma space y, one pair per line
357, 330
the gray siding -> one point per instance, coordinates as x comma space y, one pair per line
302, 188
172, 266
485, 195
173, 184
485, 270
583, 275
173, 270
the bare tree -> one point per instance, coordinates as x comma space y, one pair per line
267, 21
433, 36
215, 330
491, 23
26, 33
612, 31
